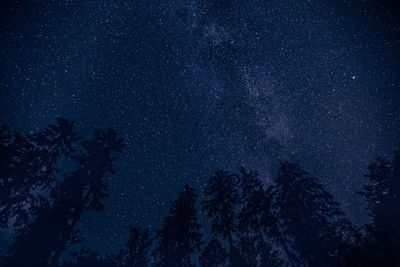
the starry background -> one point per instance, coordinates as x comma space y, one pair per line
196, 85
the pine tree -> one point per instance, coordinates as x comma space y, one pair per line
257, 225
382, 240
87, 258
258, 252
135, 253
179, 236
221, 204
255, 215
28, 169
310, 220
81, 190
213, 255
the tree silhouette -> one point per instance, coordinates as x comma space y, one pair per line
295, 216
57, 139
179, 236
257, 252
87, 258
310, 220
28, 169
254, 199
257, 225
136, 249
81, 190
382, 238
213, 255
221, 204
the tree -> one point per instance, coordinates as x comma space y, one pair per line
81, 190
135, 253
253, 197
28, 169
309, 219
213, 255
87, 258
257, 226
179, 236
221, 204
258, 252
382, 238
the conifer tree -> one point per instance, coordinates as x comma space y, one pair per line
213, 255
310, 221
81, 190
135, 253
221, 204
28, 169
257, 225
258, 252
179, 237
382, 239
255, 215
88, 258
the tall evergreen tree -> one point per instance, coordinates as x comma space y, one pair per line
382, 240
179, 236
254, 200
82, 190
221, 204
87, 258
213, 255
310, 221
258, 252
255, 215
135, 253
28, 169
257, 225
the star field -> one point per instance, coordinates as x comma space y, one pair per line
195, 85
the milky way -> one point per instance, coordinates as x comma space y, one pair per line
196, 85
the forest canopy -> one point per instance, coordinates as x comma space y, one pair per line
293, 221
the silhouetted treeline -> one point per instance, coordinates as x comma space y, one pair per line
294, 221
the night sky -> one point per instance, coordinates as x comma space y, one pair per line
196, 85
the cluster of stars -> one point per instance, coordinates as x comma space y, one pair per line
193, 86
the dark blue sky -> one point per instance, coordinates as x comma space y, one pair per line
195, 85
